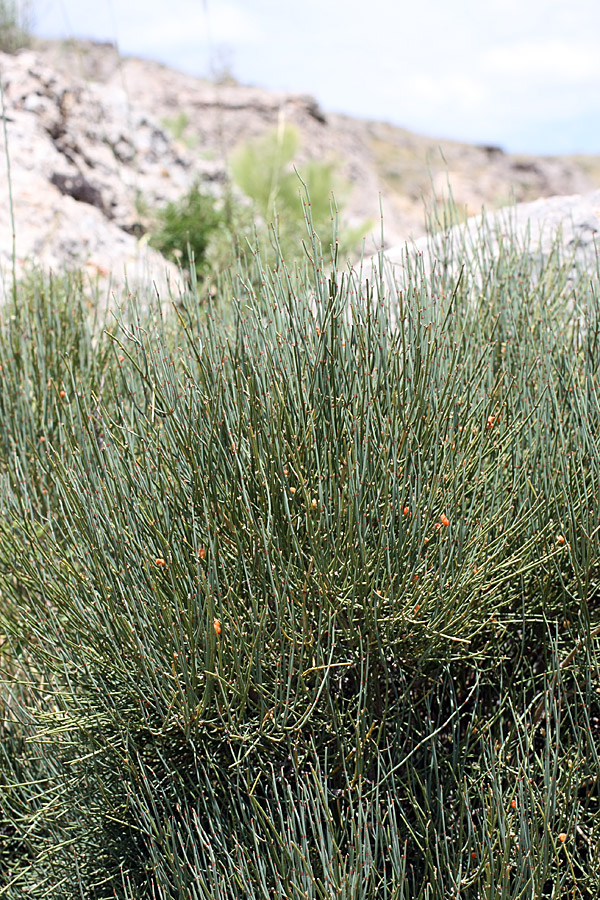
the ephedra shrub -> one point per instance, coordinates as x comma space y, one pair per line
300, 599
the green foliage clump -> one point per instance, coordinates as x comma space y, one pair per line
178, 126
184, 229
263, 170
15, 25
201, 228
301, 599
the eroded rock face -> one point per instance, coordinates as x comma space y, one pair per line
81, 159
373, 157
90, 147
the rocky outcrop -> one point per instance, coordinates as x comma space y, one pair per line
95, 141
81, 158
569, 224
375, 158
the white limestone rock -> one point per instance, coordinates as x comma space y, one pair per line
80, 161
571, 223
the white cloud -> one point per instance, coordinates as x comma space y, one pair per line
187, 22
459, 93
544, 62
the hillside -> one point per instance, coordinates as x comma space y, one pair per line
91, 134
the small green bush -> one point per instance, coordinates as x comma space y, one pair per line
200, 227
184, 229
263, 170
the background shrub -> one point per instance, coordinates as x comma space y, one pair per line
184, 229
269, 210
263, 170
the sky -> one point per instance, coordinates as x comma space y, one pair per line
520, 74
